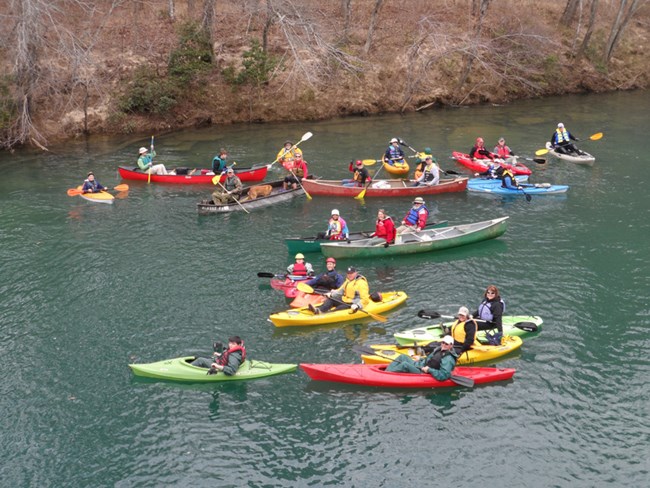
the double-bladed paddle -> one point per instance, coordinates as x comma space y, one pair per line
305, 288
73, 192
594, 137
432, 314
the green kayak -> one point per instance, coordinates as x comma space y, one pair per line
180, 369
524, 326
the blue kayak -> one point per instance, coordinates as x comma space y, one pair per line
494, 186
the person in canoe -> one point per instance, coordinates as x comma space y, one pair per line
328, 280
232, 188
300, 267
561, 141
297, 171
337, 228
227, 361
145, 162
359, 177
91, 185
420, 162
478, 151
287, 154
491, 310
501, 150
464, 330
439, 363
220, 162
430, 175
394, 153
353, 294
416, 218
384, 228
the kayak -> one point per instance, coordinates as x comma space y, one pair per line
383, 188
486, 186
418, 242
303, 316
385, 353
376, 375
397, 168
100, 197
480, 165
584, 158
312, 243
303, 299
199, 176
287, 284
497, 181
180, 369
524, 326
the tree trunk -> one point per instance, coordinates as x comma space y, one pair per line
620, 23
371, 28
346, 7
570, 11
270, 16
469, 57
172, 10
590, 30
207, 21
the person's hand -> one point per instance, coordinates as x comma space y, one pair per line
476, 174
328, 294
425, 369
354, 307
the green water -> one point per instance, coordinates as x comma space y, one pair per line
88, 288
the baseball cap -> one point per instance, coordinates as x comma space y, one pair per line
351, 269
448, 339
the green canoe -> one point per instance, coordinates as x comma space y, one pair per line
180, 369
417, 242
524, 326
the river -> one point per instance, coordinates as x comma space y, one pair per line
88, 289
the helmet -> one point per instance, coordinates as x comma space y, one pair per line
330, 260
300, 256
142, 150
560, 125
394, 139
479, 140
359, 162
335, 212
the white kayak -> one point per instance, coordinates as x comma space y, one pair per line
584, 158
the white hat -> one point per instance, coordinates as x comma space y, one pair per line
394, 139
418, 200
142, 150
335, 212
448, 339
560, 125
463, 311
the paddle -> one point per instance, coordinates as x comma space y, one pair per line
262, 274
528, 197
593, 137
370, 162
305, 288
303, 188
305, 136
149, 176
459, 380
233, 197
362, 194
72, 192
216, 178
432, 314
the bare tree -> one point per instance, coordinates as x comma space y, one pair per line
346, 9
207, 20
570, 11
372, 26
623, 17
171, 9
590, 30
479, 12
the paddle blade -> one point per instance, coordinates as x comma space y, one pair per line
305, 136
375, 316
307, 194
364, 350
539, 160
215, 179
597, 136
527, 326
361, 195
528, 197
428, 314
122, 187
369, 162
462, 380
541, 152
73, 192
304, 287
262, 274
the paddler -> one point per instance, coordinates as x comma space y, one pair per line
91, 185
287, 154
360, 175
478, 151
439, 363
232, 188
227, 361
145, 162
394, 153
300, 267
330, 279
353, 294
464, 330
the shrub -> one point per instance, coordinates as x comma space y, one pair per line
149, 94
193, 54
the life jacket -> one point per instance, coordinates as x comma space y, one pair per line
458, 332
381, 229
428, 175
299, 269
337, 229
329, 279
395, 153
476, 153
485, 310
562, 135
298, 168
353, 283
360, 175
230, 183
413, 216
223, 359
435, 358
502, 151
508, 173
93, 185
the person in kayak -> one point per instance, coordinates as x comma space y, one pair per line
297, 171
359, 177
416, 218
509, 181
91, 185
300, 267
337, 228
478, 151
494, 171
353, 294
227, 361
561, 141
491, 310
501, 150
464, 330
287, 154
439, 363
146, 165
384, 228
420, 162
430, 174
232, 188
328, 280
394, 153
220, 162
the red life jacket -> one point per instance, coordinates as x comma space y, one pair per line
299, 269
223, 359
502, 152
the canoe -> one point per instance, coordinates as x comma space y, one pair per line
278, 195
376, 375
287, 284
384, 188
397, 168
480, 165
201, 176
584, 158
101, 197
385, 353
302, 316
487, 186
180, 369
524, 326
312, 244
417, 242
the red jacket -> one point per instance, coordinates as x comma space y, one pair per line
385, 229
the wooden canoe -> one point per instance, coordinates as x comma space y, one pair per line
278, 195
385, 189
199, 177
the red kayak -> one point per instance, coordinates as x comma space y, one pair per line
287, 284
480, 165
198, 177
376, 375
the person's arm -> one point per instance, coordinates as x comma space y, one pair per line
238, 186
436, 175
304, 170
234, 361
339, 280
447, 365
361, 287
497, 314
310, 269
423, 215
142, 165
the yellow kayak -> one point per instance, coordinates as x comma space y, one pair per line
101, 197
385, 353
397, 168
303, 316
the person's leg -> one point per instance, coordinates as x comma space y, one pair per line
202, 362
403, 364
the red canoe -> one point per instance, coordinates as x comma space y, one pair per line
481, 165
199, 177
375, 375
387, 188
